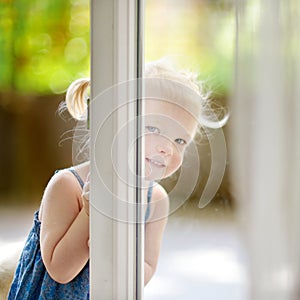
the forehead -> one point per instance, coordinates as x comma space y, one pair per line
167, 113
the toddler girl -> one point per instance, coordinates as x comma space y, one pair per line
54, 263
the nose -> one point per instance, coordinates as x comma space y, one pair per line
164, 149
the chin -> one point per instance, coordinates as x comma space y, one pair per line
155, 173
151, 178
155, 176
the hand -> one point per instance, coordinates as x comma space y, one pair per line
85, 196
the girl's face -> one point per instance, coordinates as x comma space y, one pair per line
169, 128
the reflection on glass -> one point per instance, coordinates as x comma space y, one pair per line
203, 252
202, 255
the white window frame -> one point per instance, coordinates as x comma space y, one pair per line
116, 248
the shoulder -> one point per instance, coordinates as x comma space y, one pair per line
159, 202
159, 193
62, 181
63, 189
67, 176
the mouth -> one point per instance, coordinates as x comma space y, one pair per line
155, 162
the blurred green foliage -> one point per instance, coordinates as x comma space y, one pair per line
44, 45
197, 35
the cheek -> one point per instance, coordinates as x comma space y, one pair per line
148, 143
177, 160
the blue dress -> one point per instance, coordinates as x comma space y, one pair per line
32, 281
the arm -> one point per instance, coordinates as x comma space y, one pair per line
64, 228
154, 229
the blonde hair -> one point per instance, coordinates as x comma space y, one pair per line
184, 88
77, 93
165, 70
76, 98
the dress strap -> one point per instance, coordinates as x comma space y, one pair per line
77, 176
149, 193
149, 196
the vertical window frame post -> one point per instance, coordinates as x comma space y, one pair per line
116, 247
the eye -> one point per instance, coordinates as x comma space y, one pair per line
180, 141
153, 129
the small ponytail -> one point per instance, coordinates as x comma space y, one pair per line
76, 98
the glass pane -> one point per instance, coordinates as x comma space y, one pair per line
202, 255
